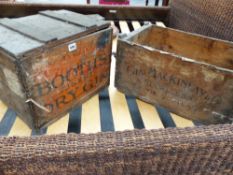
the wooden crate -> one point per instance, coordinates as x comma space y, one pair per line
189, 74
52, 62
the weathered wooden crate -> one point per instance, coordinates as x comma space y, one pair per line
51, 62
189, 74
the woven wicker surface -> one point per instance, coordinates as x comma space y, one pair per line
213, 18
199, 150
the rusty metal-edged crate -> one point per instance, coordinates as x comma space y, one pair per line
51, 62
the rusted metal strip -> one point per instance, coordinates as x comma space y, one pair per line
109, 12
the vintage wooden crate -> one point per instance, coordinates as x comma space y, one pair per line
51, 62
189, 74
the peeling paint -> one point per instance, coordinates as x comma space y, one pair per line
41, 63
13, 82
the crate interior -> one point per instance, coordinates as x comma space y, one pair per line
195, 47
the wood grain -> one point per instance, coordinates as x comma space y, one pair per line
149, 115
20, 128
60, 126
3, 109
90, 121
181, 122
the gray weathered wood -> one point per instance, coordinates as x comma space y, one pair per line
71, 17
15, 43
50, 27
36, 33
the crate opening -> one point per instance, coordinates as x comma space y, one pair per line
198, 48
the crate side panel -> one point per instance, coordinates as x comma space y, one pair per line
12, 90
189, 89
64, 76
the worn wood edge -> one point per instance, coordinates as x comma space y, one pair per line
181, 122
148, 112
128, 37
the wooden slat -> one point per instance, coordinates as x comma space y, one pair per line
3, 109
120, 111
20, 128
149, 115
90, 121
181, 122
124, 27
60, 126
136, 25
160, 24
27, 30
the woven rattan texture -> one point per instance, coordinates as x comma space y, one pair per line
197, 150
213, 18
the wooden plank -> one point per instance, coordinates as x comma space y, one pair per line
60, 126
160, 24
3, 109
136, 25
27, 30
180, 121
108, 11
149, 115
120, 111
90, 121
124, 27
20, 128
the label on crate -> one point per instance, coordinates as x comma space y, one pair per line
72, 47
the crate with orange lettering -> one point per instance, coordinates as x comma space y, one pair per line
51, 62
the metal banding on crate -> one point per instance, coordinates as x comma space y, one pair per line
189, 74
48, 69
